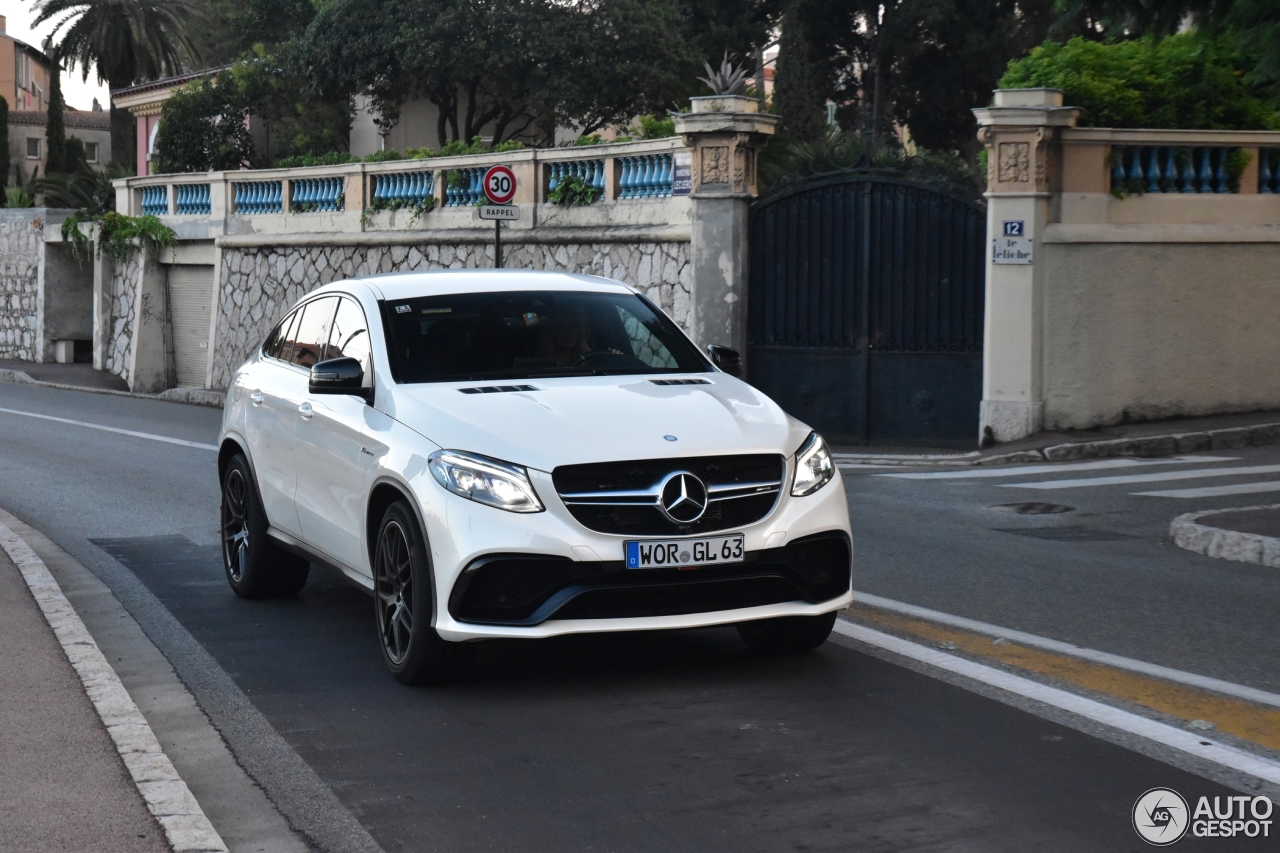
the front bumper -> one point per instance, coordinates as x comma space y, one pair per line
502, 574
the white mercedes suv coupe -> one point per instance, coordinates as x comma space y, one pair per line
524, 454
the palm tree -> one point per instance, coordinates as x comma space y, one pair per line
130, 41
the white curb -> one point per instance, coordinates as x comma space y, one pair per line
1188, 533
166, 795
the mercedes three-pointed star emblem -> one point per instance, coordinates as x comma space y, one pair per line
682, 498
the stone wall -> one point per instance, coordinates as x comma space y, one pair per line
257, 285
124, 290
21, 243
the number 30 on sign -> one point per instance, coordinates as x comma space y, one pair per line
500, 185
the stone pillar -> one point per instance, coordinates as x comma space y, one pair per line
1023, 170
725, 135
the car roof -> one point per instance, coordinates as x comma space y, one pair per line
407, 285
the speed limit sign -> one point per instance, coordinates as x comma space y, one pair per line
499, 184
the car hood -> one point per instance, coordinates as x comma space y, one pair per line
572, 420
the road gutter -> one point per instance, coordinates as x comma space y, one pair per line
167, 796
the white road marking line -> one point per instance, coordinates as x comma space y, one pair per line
1191, 743
1197, 474
971, 474
150, 436
168, 798
1216, 491
1203, 682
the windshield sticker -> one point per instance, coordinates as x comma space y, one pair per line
403, 309
437, 310
530, 319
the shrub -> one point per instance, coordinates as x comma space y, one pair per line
333, 158
203, 128
1183, 81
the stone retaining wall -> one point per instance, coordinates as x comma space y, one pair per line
21, 243
124, 290
257, 285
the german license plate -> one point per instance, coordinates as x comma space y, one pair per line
672, 553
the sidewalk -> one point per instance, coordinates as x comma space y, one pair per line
63, 786
1248, 534
1148, 439
82, 377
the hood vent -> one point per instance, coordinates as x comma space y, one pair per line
679, 381
497, 389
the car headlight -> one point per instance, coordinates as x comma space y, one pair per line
814, 468
484, 480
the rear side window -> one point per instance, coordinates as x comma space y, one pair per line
276, 340
312, 335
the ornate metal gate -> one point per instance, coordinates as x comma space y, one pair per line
865, 307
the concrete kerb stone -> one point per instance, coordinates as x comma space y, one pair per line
189, 396
1188, 533
168, 798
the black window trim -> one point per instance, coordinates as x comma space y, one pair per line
341, 294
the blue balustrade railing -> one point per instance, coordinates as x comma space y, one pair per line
463, 188
645, 176
1172, 169
403, 189
191, 199
590, 171
314, 195
1269, 170
155, 201
259, 197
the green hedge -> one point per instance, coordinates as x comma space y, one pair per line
1184, 81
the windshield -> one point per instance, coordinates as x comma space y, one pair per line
527, 334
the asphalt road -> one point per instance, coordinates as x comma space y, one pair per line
669, 741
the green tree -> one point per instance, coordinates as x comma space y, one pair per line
800, 93
4, 144
1184, 81
55, 128
513, 65
128, 41
203, 127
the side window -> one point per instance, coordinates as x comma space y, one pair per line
275, 340
350, 336
289, 338
313, 332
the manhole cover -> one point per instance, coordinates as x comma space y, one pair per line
1065, 534
1033, 508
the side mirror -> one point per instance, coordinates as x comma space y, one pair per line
726, 359
339, 376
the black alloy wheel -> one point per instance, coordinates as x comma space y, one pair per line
256, 567
403, 604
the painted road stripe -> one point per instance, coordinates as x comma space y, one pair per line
1198, 474
1053, 469
1227, 688
149, 436
1216, 491
1194, 744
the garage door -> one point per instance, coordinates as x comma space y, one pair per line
190, 300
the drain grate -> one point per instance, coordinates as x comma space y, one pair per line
1033, 508
1065, 534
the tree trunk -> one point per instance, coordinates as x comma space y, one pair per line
124, 133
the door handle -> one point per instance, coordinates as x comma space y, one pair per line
306, 411
256, 398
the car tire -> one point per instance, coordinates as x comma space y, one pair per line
404, 603
256, 567
787, 634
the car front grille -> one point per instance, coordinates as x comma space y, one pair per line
622, 497
518, 589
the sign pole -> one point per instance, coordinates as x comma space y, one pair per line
499, 188
497, 244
